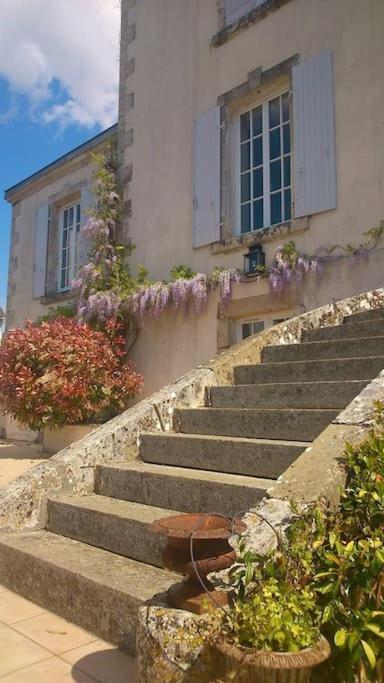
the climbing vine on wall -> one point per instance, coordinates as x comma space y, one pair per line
106, 289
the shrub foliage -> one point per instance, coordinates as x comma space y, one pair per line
62, 371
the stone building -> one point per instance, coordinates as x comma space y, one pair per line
241, 122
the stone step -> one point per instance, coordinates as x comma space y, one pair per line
294, 395
90, 587
253, 457
374, 314
291, 425
336, 369
369, 328
179, 488
120, 526
339, 348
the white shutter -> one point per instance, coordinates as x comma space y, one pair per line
87, 200
206, 176
314, 135
40, 251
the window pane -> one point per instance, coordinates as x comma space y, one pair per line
274, 112
258, 215
258, 151
257, 121
78, 213
276, 208
287, 205
246, 218
70, 219
65, 218
245, 187
63, 283
286, 139
275, 177
274, 144
245, 132
246, 330
245, 156
257, 326
64, 258
285, 105
287, 171
258, 183
65, 238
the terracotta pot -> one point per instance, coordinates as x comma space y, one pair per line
211, 552
244, 665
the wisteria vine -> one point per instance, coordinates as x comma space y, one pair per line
105, 288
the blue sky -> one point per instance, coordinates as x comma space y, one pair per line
58, 87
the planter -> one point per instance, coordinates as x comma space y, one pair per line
247, 666
54, 440
211, 551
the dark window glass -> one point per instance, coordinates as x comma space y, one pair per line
276, 208
245, 128
78, 213
287, 171
274, 112
246, 330
285, 104
257, 121
274, 144
63, 283
65, 218
245, 156
246, 218
287, 205
258, 151
70, 220
258, 215
258, 183
275, 175
286, 139
65, 238
245, 187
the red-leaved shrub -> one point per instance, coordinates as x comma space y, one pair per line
63, 371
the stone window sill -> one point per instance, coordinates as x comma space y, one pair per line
252, 17
282, 230
57, 297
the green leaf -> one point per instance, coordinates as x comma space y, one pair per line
369, 653
374, 628
340, 637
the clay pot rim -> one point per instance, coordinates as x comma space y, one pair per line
227, 530
304, 659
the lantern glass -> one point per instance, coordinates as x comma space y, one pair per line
254, 260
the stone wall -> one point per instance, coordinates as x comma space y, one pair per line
71, 470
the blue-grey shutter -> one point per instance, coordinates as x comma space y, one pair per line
40, 251
314, 135
87, 200
206, 178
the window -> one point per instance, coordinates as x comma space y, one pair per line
265, 165
235, 9
69, 228
246, 328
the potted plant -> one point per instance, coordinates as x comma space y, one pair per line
271, 632
273, 636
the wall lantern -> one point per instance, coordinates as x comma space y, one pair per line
254, 260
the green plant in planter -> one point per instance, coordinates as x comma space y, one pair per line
278, 617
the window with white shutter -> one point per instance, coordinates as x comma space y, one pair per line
264, 165
314, 135
206, 178
235, 9
70, 220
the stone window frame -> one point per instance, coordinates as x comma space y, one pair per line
70, 194
226, 32
259, 82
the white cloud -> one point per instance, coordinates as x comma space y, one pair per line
73, 42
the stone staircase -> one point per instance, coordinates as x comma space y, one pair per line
97, 560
